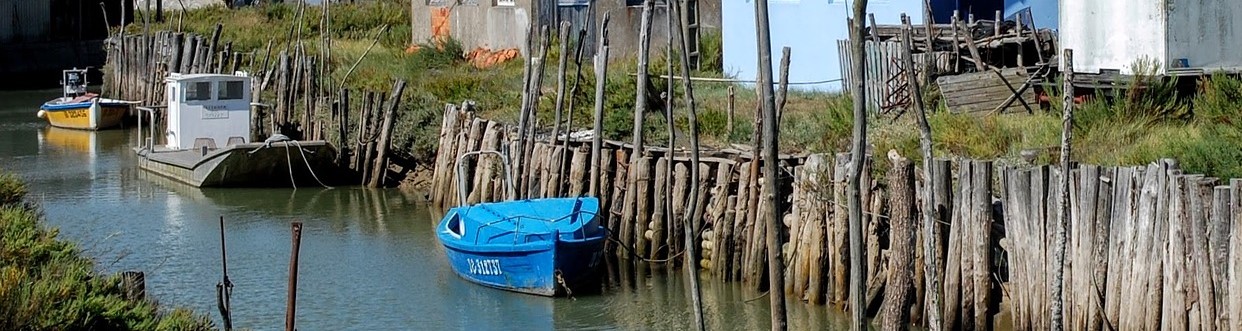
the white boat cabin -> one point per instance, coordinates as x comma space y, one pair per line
208, 110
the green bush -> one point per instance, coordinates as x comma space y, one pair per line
12, 189
1219, 100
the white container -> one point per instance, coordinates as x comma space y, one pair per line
1177, 35
211, 110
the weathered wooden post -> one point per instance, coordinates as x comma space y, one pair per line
930, 268
224, 290
560, 91
693, 222
380, 168
291, 310
601, 78
857, 149
897, 292
783, 91
776, 265
1063, 208
637, 166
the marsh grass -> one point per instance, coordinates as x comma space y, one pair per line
48, 284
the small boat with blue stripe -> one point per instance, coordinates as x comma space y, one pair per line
79, 109
539, 246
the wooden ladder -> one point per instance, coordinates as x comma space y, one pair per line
690, 30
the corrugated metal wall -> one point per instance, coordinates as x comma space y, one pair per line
24, 20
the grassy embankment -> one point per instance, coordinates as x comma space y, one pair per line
48, 284
1131, 128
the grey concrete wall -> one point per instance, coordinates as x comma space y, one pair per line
626, 22
499, 27
482, 25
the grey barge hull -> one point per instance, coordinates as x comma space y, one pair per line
279, 164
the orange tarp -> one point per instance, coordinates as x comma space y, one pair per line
440, 23
484, 58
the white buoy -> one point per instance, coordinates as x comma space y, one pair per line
41, 114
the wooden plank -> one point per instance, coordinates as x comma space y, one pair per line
1199, 266
956, 261
1175, 314
981, 215
1234, 291
1218, 243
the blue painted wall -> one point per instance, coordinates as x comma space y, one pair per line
810, 28
1044, 12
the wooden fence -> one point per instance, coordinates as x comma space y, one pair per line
302, 107
1149, 247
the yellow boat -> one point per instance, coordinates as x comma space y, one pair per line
78, 109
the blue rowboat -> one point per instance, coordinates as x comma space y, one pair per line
538, 246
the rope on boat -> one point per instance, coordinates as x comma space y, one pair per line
561, 280
267, 143
630, 250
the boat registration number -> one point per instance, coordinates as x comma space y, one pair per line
484, 267
75, 113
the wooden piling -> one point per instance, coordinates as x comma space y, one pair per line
902, 219
380, 169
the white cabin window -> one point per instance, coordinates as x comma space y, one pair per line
506, 3
198, 91
231, 90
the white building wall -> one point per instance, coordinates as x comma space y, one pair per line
1113, 34
1203, 32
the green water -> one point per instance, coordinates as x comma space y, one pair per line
369, 259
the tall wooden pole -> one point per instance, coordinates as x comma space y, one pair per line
929, 195
519, 168
640, 108
1063, 211
668, 121
601, 79
857, 149
691, 223
562, 65
776, 265
291, 308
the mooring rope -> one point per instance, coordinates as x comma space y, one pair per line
267, 143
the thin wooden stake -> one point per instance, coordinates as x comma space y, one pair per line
1063, 211
929, 195
291, 304
560, 91
692, 222
783, 95
858, 148
776, 265
601, 78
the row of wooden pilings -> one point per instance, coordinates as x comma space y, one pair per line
302, 107
1148, 246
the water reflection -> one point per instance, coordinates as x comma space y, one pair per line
369, 258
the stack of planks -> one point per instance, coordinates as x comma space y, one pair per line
983, 92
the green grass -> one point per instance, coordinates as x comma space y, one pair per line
1143, 122
47, 284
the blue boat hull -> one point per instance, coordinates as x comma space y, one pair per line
533, 271
544, 246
